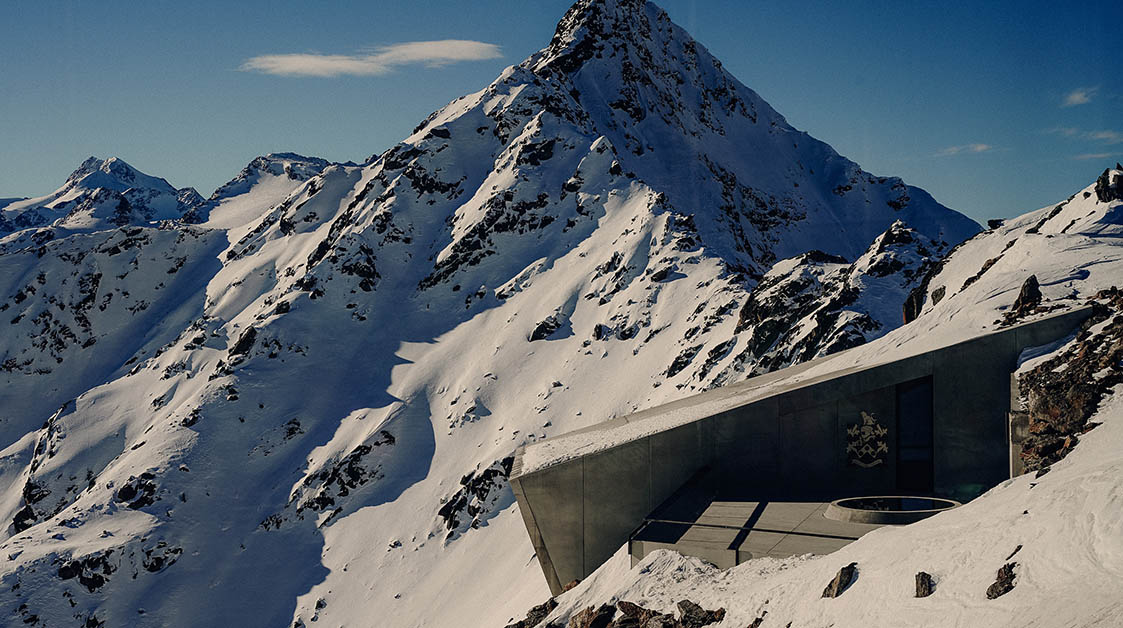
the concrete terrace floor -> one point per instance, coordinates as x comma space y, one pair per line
728, 532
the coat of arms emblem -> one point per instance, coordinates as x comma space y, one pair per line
865, 442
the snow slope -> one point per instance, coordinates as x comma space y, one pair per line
315, 420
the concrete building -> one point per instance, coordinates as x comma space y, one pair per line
746, 470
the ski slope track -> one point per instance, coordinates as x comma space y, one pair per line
296, 401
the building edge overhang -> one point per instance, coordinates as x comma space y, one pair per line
620, 431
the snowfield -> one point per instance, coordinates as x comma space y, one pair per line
295, 403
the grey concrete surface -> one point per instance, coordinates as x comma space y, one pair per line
787, 445
728, 533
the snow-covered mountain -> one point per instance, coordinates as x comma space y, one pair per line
100, 194
1057, 531
298, 401
264, 182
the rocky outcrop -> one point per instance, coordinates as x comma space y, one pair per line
624, 615
1003, 583
817, 304
925, 586
1028, 302
1029, 297
842, 580
535, 615
1063, 392
546, 327
1109, 185
593, 617
477, 498
694, 616
631, 615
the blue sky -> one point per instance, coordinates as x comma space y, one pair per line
994, 109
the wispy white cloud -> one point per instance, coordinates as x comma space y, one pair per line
1079, 96
1105, 136
964, 148
1087, 156
382, 60
1066, 131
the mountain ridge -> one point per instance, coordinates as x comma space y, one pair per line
338, 359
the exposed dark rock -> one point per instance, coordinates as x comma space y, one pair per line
160, 557
320, 490
694, 616
138, 492
1109, 186
92, 570
24, 518
244, 343
1029, 297
1003, 583
982, 271
1064, 392
843, 579
683, 360
546, 328
635, 616
535, 615
632, 615
1051, 215
914, 303
995, 223
477, 496
924, 584
593, 617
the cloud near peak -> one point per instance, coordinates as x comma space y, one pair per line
964, 148
382, 60
1079, 96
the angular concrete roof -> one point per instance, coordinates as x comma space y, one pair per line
621, 430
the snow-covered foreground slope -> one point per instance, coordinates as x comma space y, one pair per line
1069, 566
1061, 527
300, 400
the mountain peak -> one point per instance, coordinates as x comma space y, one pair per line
113, 173
588, 25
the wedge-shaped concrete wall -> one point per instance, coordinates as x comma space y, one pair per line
789, 444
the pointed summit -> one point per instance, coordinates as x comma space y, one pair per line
588, 25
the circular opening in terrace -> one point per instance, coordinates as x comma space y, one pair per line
887, 510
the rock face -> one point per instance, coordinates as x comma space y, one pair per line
625, 615
817, 304
924, 584
1109, 185
1028, 301
1003, 583
535, 615
1063, 392
843, 579
694, 616
593, 617
1029, 297
480, 495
